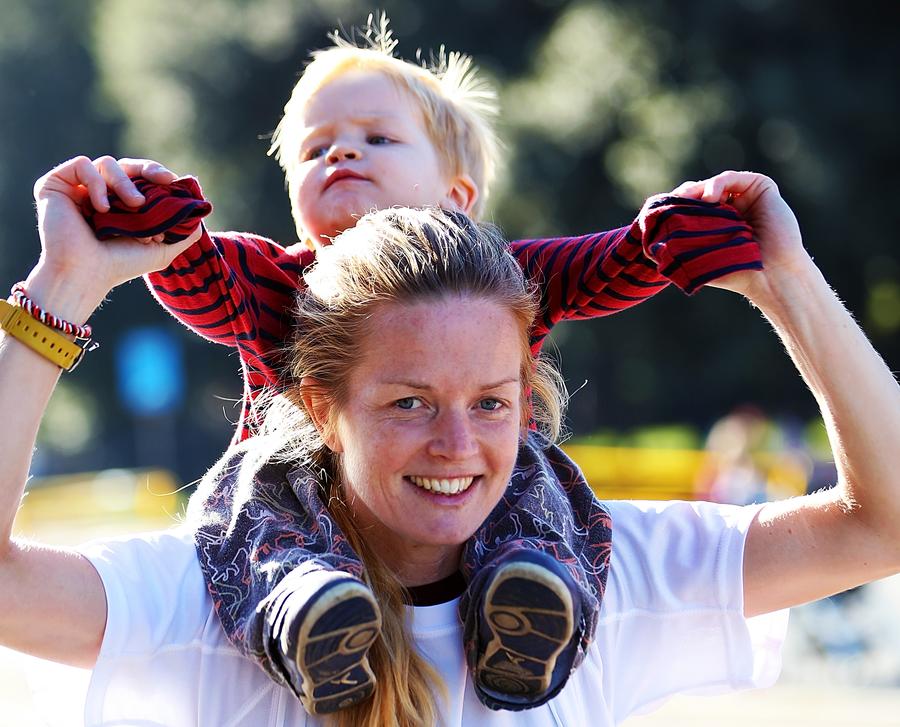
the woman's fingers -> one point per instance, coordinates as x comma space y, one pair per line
694, 190
96, 178
117, 180
741, 189
74, 178
148, 169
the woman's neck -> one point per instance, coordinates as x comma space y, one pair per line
416, 565
413, 563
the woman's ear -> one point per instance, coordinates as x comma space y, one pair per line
320, 412
463, 193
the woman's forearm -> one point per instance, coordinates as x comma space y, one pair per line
53, 604
27, 380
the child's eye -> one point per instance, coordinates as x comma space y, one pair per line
490, 404
378, 139
408, 403
314, 153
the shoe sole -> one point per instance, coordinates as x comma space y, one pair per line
332, 643
526, 639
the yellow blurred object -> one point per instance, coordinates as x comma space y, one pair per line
68, 508
627, 473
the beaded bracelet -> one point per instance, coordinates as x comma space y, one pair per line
20, 295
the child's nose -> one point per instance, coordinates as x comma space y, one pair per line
342, 152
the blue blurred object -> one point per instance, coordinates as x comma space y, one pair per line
150, 371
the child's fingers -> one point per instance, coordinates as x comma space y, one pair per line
155, 240
193, 237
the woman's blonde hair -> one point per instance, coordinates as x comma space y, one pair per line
394, 256
458, 107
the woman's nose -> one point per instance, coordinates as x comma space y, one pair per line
453, 437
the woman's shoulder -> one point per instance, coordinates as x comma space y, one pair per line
165, 656
677, 555
173, 547
155, 590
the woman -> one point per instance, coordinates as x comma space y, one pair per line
438, 391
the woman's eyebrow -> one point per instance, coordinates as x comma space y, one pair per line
404, 382
502, 382
413, 384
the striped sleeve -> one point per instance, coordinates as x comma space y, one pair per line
683, 241
173, 210
237, 290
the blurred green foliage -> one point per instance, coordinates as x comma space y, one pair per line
604, 103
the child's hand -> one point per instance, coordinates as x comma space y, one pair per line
757, 199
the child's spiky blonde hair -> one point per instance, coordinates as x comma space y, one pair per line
457, 105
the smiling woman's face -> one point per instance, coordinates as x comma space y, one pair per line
429, 432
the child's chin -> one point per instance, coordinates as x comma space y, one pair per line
336, 219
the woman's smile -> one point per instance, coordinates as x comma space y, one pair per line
443, 485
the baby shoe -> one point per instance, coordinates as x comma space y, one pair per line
322, 624
528, 619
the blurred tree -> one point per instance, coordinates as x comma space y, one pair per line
634, 97
47, 115
604, 101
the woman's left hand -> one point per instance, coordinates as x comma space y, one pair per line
757, 199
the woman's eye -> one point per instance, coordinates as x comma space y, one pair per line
490, 404
377, 139
408, 403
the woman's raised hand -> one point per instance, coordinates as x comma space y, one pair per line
70, 250
757, 199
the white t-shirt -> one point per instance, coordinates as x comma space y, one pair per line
671, 622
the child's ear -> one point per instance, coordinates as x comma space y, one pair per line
463, 193
320, 412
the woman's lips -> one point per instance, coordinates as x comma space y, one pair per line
436, 485
443, 485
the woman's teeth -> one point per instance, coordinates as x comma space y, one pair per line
444, 487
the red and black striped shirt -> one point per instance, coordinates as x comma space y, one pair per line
238, 289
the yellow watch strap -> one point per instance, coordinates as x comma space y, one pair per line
51, 344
